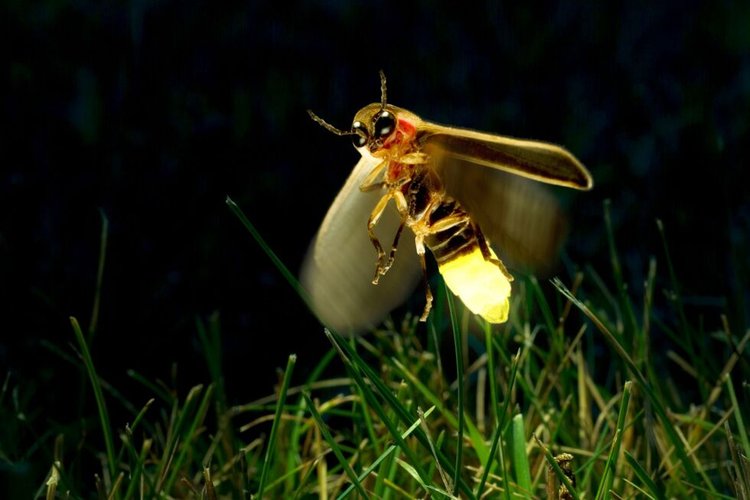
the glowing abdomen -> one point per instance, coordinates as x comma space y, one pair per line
479, 283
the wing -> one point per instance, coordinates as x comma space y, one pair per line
340, 263
539, 161
520, 216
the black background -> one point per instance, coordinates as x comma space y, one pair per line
154, 112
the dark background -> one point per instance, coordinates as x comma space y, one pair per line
154, 112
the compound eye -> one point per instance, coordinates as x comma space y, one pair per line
385, 124
359, 134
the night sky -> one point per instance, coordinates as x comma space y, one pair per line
151, 113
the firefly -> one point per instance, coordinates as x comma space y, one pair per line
448, 186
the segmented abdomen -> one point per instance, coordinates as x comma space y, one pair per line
459, 238
479, 282
454, 240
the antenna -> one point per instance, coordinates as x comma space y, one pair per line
327, 125
382, 90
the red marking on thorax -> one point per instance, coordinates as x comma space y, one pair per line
401, 142
395, 170
407, 128
405, 132
399, 174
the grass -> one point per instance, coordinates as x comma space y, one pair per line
569, 399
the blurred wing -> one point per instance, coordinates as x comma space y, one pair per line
520, 217
340, 263
539, 161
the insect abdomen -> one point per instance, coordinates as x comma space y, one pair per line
479, 282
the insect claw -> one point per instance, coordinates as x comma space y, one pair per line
387, 266
427, 305
379, 271
392, 257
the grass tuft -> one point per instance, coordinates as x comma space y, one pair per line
593, 389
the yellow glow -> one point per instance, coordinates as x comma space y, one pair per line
480, 284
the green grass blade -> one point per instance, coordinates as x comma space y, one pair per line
297, 428
367, 418
491, 375
458, 347
741, 465
435, 466
713, 495
352, 358
386, 476
161, 392
476, 437
605, 486
357, 366
538, 294
334, 446
130, 429
654, 490
106, 387
675, 295
414, 474
137, 471
656, 402
210, 339
177, 421
53, 479
276, 422
622, 290
499, 426
369, 470
94, 321
556, 468
738, 415
186, 444
289, 276
387, 473
99, 396
520, 458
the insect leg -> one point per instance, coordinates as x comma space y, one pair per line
392, 255
418, 241
371, 183
403, 210
485, 248
416, 158
371, 223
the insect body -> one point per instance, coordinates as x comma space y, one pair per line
470, 268
427, 170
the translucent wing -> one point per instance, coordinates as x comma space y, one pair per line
340, 263
520, 216
539, 161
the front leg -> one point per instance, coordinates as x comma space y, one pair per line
375, 215
403, 210
371, 183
